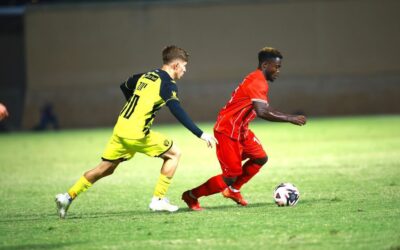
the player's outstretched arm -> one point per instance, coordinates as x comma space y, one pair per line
183, 118
266, 112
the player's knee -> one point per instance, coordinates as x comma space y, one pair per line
178, 153
175, 153
109, 171
108, 168
261, 161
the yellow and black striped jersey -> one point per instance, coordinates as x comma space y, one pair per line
148, 92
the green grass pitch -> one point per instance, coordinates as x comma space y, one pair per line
347, 171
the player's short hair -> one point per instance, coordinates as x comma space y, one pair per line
173, 52
268, 53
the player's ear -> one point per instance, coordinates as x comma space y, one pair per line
264, 65
175, 65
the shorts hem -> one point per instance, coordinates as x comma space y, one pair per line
172, 143
121, 159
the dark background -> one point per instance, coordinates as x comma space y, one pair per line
340, 57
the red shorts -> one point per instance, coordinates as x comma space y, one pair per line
231, 152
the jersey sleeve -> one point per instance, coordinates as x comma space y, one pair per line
129, 85
257, 91
169, 91
183, 117
131, 82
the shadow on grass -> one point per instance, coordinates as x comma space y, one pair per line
144, 213
83, 216
39, 246
137, 214
28, 217
236, 206
334, 199
133, 214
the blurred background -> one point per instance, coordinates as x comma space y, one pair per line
65, 60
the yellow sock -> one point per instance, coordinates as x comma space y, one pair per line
80, 186
162, 186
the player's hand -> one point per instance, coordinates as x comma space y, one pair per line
209, 139
298, 120
3, 112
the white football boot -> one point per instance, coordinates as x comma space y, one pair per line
63, 201
162, 204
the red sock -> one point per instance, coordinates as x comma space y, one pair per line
214, 185
249, 170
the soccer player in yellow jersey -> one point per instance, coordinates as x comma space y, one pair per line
146, 93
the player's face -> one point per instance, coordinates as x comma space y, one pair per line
179, 69
271, 69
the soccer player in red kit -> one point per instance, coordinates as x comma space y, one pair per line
236, 142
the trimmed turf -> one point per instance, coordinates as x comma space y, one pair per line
347, 171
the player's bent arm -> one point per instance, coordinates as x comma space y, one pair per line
129, 85
127, 93
266, 112
180, 114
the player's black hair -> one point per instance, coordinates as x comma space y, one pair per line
173, 52
268, 53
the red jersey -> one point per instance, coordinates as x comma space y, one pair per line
234, 118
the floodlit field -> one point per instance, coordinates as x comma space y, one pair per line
347, 171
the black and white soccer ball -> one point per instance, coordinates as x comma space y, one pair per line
286, 194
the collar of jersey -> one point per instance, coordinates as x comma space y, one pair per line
164, 73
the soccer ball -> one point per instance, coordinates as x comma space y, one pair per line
286, 194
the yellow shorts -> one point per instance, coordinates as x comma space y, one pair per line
154, 145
